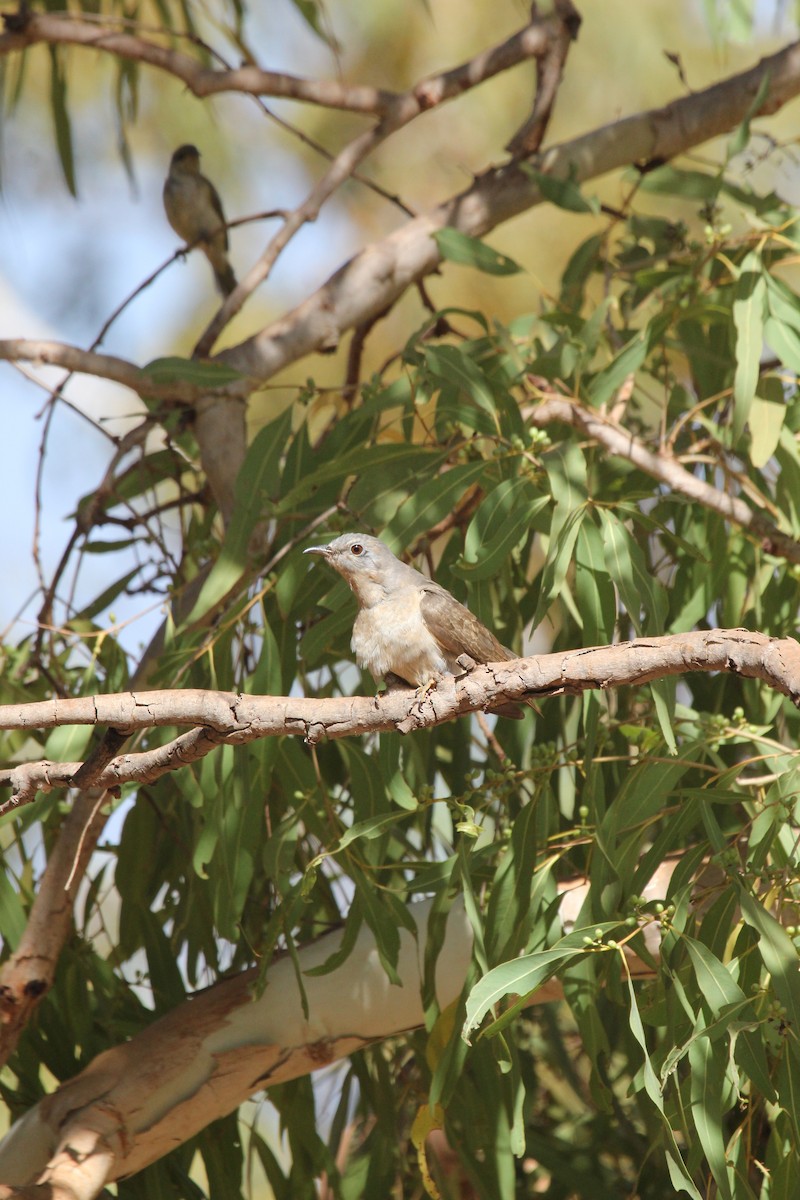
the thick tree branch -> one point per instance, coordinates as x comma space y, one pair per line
664, 467
139, 1100
142, 1098
221, 717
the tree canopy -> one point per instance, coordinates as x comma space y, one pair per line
265, 933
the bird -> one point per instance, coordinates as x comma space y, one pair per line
408, 627
194, 210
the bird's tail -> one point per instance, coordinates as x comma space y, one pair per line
226, 280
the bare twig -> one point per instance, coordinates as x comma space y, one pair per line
565, 23
60, 29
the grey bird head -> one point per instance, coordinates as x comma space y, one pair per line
365, 562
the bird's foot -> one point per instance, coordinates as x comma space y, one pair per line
424, 689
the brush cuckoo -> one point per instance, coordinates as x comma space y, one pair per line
194, 211
407, 626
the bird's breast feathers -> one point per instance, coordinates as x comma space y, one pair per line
392, 637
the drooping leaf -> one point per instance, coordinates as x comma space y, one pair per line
472, 252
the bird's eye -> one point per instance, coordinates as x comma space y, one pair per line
356, 548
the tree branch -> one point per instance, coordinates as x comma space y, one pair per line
59, 29
375, 278
28, 974
664, 467
140, 1099
221, 717
104, 366
535, 40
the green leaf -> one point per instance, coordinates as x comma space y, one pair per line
748, 319
256, 483
741, 28
174, 369
502, 521
370, 828
681, 1179
565, 193
642, 595
767, 415
472, 252
524, 976
427, 505
61, 121
785, 341
12, 913
627, 362
778, 953
456, 366
690, 185
357, 463
708, 1061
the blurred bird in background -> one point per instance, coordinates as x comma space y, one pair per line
194, 211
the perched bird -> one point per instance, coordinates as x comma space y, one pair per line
407, 626
194, 211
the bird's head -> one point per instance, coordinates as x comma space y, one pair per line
186, 158
364, 561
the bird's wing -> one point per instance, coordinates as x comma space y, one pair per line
216, 204
458, 630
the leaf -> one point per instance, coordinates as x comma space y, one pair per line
256, 483
748, 319
456, 366
523, 976
472, 252
12, 913
427, 505
357, 463
583, 262
645, 602
370, 828
681, 1179
778, 953
741, 28
565, 193
785, 341
106, 597
627, 362
642, 595
708, 1061
671, 181
61, 121
767, 415
174, 369
782, 303
502, 521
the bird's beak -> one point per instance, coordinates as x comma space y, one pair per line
323, 550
